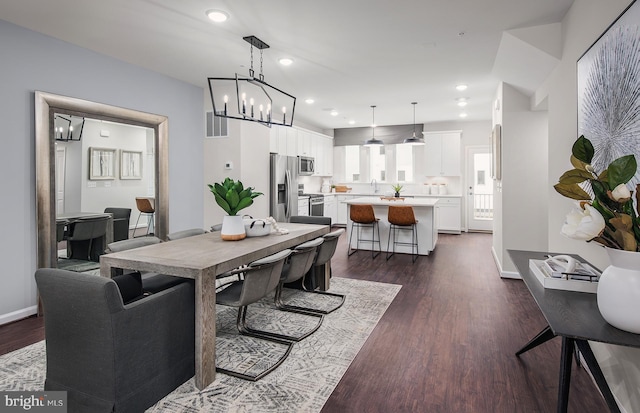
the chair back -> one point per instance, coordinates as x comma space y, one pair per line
300, 260
121, 218
144, 205
88, 228
328, 247
301, 219
61, 225
401, 215
262, 277
362, 214
185, 233
132, 243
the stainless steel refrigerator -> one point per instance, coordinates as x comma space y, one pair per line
283, 192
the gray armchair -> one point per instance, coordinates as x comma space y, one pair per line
112, 357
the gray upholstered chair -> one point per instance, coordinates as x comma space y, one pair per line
185, 233
260, 278
112, 357
86, 238
121, 218
151, 282
303, 219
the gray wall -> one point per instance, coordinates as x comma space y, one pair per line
32, 61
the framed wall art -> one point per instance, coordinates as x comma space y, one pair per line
102, 163
609, 91
130, 164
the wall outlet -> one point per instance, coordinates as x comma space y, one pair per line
104, 133
91, 184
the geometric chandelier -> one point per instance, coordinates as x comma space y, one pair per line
250, 98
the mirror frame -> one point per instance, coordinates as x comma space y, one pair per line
46, 104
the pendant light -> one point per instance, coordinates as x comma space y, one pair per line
414, 140
373, 141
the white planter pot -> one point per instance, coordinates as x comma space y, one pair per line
619, 290
232, 228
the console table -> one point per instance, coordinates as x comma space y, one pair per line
575, 317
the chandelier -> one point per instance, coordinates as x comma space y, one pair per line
373, 141
67, 128
414, 140
250, 98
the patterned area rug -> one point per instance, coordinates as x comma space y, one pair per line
302, 383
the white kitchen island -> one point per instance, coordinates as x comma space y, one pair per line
424, 211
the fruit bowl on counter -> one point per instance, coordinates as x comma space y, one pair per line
342, 188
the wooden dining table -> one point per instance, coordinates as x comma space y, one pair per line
201, 258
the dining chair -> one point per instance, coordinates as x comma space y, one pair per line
260, 278
121, 218
402, 218
146, 208
363, 216
82, 235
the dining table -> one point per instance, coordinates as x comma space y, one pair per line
201, 258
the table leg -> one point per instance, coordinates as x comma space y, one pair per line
594, 368
205, 303
565, 374
545, 335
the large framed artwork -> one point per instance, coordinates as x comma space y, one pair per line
130, 164
102, 163
609, 91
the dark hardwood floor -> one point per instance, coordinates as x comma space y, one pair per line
446, 343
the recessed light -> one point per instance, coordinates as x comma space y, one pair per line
462, 102
463, 115
309, 101
217, 16
352, 122
334, 113
285, 61
461, 87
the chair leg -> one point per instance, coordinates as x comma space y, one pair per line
389, 242
375, 227
241, 324
318, 310
136, 227
414, 239
351, 251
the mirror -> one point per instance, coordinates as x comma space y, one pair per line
46, 106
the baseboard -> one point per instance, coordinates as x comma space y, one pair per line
504, 274
18, 315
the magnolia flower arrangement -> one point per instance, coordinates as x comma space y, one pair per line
608, 217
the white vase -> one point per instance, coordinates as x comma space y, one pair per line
619, 290
232, 228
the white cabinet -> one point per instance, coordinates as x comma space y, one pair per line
442, 154
303, 206
449, 215
342, 217
299, 142
331, 208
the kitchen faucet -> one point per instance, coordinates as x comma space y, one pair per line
374, 183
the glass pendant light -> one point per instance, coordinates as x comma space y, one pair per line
414, 140
373, 141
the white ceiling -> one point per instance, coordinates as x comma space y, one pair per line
348, 54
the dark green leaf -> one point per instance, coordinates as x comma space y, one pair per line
575, 176
223, 204
622, 170
220, 190
572, 191
245, 202
583, 149
232, 198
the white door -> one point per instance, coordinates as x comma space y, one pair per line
479, 188
61, 161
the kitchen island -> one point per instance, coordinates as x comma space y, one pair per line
424, 211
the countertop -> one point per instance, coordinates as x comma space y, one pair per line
375, 200
418, 195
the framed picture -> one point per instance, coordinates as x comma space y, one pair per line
102, 163
130, 165
609, 91
496, 152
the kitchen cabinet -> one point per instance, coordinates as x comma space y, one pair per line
299, 142
449, 215
342, 216
442, 154
303, 206
331, 208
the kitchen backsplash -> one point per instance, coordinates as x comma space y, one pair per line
453, 186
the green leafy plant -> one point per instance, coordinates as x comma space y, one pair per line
232, 196
607, 215
397, 188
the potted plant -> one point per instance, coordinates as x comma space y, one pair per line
232, 197
397, 188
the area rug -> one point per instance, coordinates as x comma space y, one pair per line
303, 383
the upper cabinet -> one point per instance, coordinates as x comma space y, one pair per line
300, 142
442, 154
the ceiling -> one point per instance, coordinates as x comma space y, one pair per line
348, 54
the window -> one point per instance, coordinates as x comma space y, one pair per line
377, 163
352, 164
404, 162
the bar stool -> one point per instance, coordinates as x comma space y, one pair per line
401, 218
362, 216
145, 207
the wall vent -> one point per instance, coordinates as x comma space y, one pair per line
216, 126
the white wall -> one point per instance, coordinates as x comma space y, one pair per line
583, 24
39, 62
